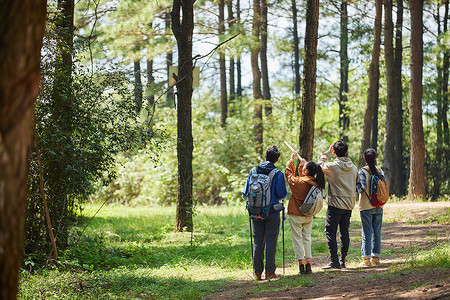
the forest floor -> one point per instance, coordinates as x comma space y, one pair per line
408, 229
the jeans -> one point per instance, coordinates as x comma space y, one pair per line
301, 228
265, 234
371, 221
336, 216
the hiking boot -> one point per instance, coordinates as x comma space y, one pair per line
332, 265
342, 262
271, 275
302, 269
375, 261
308, 269
258, 276
365, 263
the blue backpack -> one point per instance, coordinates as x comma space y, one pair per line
259, 195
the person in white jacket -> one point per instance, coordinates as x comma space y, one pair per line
342, 177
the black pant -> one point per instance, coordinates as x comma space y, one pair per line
265, 234
336, 216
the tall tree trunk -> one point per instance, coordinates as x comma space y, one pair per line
374, 138
445, 94
170, 96
437, 168
257, 95
264, 67
343, 87
397, 166
297, 79
392, 122
150, 81
373, 78
62, 114
231, 22
238, 58
137, 86
183, 26
308, 106
417, 167
222, 67
21, 39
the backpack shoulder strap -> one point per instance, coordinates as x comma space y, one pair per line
368, 170
272, 174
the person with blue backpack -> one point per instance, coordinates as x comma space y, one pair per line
264, 189
371, 216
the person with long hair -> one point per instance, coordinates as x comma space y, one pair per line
371, 216
310, 174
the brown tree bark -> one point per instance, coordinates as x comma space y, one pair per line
446, 92
417, 163
392, 122
231, 22
21, 39
437, 168
373, 78
308, 105
183, 26
264, 68
374, 137
344, 120
238, 58
297, 78
396, 163
257, 94
222, 67
170, 97
150, 82
137, 86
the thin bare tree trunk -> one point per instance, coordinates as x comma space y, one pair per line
257, 94
446, 92
308, 106
137, 86
392, 123
222, 67
183, 26
344, 65
397, 166
41, 187
372, 92
238, 58
231, 22
21, 38
170, 97
417, 168
150, 82
264, 67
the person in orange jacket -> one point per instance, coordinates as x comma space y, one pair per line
310, 174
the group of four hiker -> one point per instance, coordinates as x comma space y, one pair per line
344, 181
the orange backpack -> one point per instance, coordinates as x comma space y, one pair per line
379, 189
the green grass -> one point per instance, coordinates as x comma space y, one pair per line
133, 253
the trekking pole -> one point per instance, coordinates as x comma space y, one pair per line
282, 227
251, 236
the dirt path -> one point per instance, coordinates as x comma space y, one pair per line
405, 225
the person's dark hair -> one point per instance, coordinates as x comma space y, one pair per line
315, 170
340, 148
369, 156
272, 154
